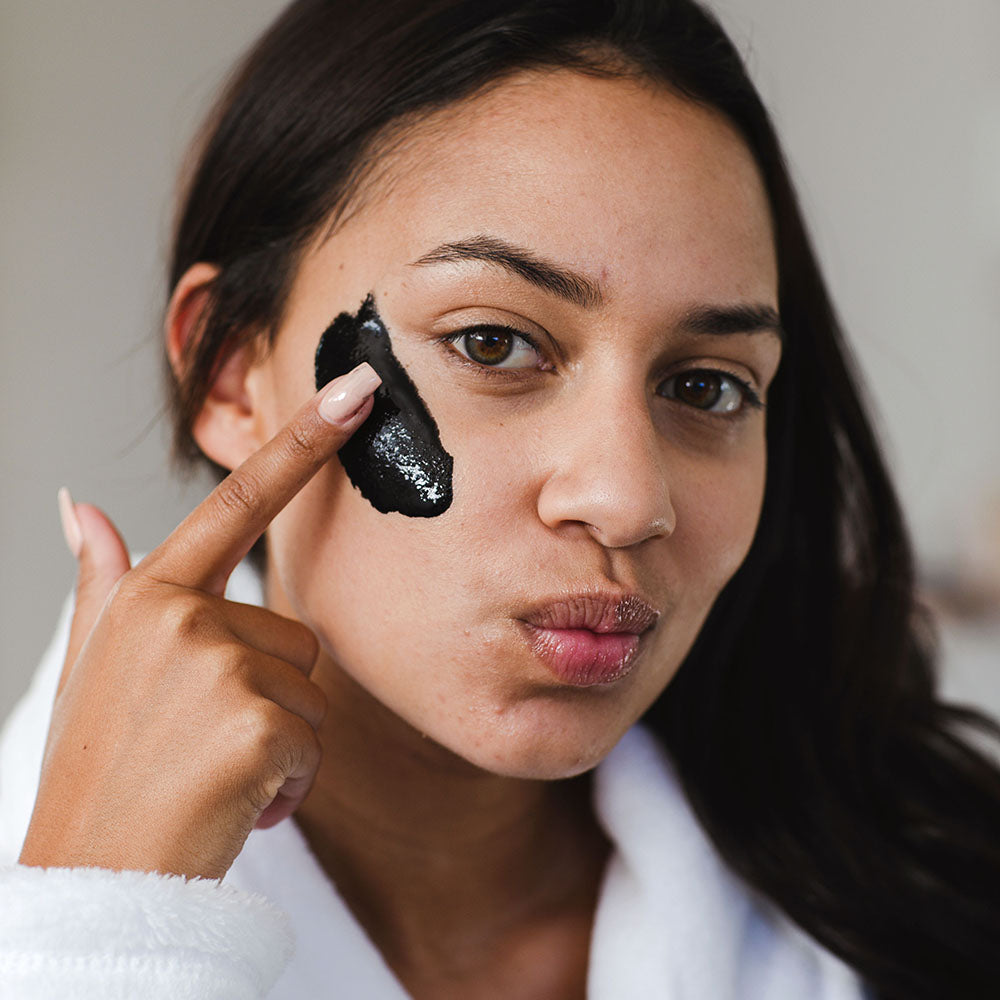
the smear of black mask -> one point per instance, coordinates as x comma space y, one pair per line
395, 458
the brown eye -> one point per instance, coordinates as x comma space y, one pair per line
715, 391
699, 389
495, 347
489, 347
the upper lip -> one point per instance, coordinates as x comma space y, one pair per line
598, 611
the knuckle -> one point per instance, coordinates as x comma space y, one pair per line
230, 661
298, 445
260, 730
277, 740
238, 494
186, 617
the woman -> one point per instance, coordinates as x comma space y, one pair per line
592, 663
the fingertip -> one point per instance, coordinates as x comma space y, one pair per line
347, 395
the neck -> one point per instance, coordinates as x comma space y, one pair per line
440, 860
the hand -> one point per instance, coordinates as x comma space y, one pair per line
182, 720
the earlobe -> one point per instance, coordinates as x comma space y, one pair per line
224, 428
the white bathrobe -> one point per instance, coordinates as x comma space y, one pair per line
672, 921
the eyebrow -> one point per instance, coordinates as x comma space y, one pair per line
723, 320
582, 291
569, 285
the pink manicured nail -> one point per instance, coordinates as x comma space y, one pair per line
346, 393
70, 525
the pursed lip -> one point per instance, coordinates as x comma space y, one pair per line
598, 611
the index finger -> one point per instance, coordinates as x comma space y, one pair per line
207, 545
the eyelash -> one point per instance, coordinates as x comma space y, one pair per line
751, 400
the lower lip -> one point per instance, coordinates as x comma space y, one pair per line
583, 658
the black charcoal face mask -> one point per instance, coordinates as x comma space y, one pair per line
395, 457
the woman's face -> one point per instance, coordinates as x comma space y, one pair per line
587, 457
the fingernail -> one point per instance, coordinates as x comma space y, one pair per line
345, 394
70, 524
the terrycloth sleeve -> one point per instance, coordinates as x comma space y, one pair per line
89, 933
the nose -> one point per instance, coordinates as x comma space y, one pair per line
606, 472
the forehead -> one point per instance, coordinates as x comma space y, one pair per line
621, 178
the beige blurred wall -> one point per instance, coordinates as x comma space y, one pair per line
890, 112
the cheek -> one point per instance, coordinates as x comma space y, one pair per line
417, 583
718, 510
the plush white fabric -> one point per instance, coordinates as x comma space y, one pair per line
672, 922
670, 912
134, 934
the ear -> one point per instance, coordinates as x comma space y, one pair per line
224, 428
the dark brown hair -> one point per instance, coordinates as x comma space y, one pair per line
804, 722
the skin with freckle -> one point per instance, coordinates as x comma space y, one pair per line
395, 458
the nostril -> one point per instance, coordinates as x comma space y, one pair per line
626, 535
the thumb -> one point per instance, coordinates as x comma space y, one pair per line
102, 559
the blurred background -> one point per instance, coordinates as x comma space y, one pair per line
890, 115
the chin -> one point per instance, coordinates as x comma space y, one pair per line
540, 745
